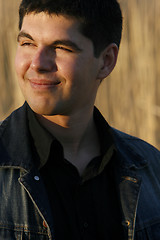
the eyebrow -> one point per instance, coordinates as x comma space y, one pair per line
23, 34
67, 43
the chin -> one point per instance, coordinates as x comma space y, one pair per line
42, 109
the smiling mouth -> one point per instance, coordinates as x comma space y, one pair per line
43, 83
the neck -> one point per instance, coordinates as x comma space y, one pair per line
77, 134
69, 129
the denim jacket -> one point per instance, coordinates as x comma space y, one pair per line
25, 211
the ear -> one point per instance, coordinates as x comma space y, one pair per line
108, 59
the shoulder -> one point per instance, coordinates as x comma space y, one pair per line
135, 148
15, 139
133, 142
13, 122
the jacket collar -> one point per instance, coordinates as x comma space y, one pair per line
15, 148
128, 150
126, 146
14, 133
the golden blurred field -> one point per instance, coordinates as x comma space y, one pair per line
130, 97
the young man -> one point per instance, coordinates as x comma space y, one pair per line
65, 173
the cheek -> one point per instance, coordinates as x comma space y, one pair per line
70, 69
22, 63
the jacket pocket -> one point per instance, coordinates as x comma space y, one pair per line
8, 233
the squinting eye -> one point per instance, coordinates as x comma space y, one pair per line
63, 48
26, 44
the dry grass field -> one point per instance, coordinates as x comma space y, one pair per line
129, 99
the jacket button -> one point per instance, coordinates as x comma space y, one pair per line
36, 178
126, 223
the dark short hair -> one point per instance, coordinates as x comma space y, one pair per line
101, 20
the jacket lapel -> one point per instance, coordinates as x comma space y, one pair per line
34, 186
129, 190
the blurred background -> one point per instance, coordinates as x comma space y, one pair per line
129, 98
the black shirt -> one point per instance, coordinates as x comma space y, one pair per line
84, 207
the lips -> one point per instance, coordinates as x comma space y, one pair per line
43, 83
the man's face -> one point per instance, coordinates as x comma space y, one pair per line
55, 64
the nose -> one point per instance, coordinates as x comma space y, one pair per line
43, 61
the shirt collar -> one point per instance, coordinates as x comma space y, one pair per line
42, 139
106, 144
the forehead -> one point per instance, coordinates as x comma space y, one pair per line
46, 29
50, 24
